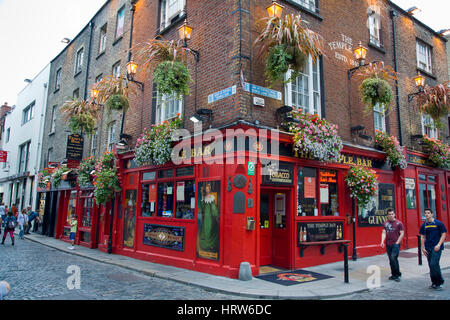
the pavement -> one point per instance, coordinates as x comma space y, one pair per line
365, 274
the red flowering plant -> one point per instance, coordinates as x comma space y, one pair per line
106, 182
439, 152
154, 145
315, 136
392, 147
363, 184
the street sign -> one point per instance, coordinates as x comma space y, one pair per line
221, 94
266, 92
257, 101
3, 155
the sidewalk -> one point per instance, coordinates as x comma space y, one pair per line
256, 288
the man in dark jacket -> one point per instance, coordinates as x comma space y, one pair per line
32, 216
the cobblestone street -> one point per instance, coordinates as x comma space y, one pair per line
37, 272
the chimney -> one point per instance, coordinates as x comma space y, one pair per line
4, 109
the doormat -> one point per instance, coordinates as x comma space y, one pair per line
290, 278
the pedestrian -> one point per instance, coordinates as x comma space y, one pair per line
73, 230
393, 232
10, 225
2, 212
432, 237
22, 219
14, 210
33, 216
4, 289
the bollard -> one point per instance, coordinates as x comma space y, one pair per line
345, 262
419, 250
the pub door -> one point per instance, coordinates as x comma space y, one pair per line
274, 228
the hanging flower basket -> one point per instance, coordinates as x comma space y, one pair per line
113, 92
117, 102
106, 182
154, 146
172, 77
84, 171
57, 176
285, 43
439, 152
435, 101
391, 146
315, 136
44, 178
363, 184
80, 115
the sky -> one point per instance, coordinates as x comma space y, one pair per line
31, 32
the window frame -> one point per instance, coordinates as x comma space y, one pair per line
79, 59
94, 138
24, 158
374, 26
53, 121
162, 101
425, 121
102, 39
111, 136
313, 93
310, 5
120, 23
427, 55
377, 110
58, 78
28, 112
164, 17
116, 69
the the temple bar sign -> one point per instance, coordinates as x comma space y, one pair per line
74, 149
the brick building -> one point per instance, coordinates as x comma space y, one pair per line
160, 214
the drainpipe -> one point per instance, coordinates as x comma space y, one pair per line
91, 24
393, 14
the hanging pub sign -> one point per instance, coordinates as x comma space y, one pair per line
164, 236
74, 149
281, 174
375, 213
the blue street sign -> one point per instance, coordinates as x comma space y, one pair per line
266, 92
222, 94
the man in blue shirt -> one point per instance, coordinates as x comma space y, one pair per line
32, 216
432, 237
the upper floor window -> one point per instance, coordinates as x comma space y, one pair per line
111, 136
429, 127
76, 93
79, 61
102, 40
379, 118
304, 91
120, 22
169, 10
374, 25
53, 123
424, 56
116, 70
58, 79
24, 151
49, 156
308, 4
167, 107
28, 113
8, 134
94, 143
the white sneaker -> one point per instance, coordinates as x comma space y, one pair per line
71, 247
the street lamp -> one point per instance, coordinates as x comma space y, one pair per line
131, 72
419, 81
360, 53
274, 10
185, 32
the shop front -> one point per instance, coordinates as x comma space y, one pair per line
210, 216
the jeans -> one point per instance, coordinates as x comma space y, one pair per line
11, 234
393, 252
433, 258
21, 231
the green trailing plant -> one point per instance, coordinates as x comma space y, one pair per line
106, 182
80, 115
167, 61
44, 177
391, 146
435, 101
57, 175
172, 77
86, 167
375, 88
363, 184
291, 35
114, 92
439, 152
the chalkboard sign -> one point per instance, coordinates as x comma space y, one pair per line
319, 231
74, 149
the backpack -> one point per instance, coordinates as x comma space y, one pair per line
11, 224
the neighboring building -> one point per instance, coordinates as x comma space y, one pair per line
22, 139
159, 215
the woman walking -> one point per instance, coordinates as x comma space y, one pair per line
10, 225
22, 220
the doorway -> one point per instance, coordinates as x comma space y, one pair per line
274, 228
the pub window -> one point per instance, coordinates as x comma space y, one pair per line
185, 171
427, 194
306, 192
329, 204
410, 186
88, 204
165, 200
149, 175
185, 199
165, 174
375, 212
148, 200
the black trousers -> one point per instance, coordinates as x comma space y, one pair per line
393, 252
